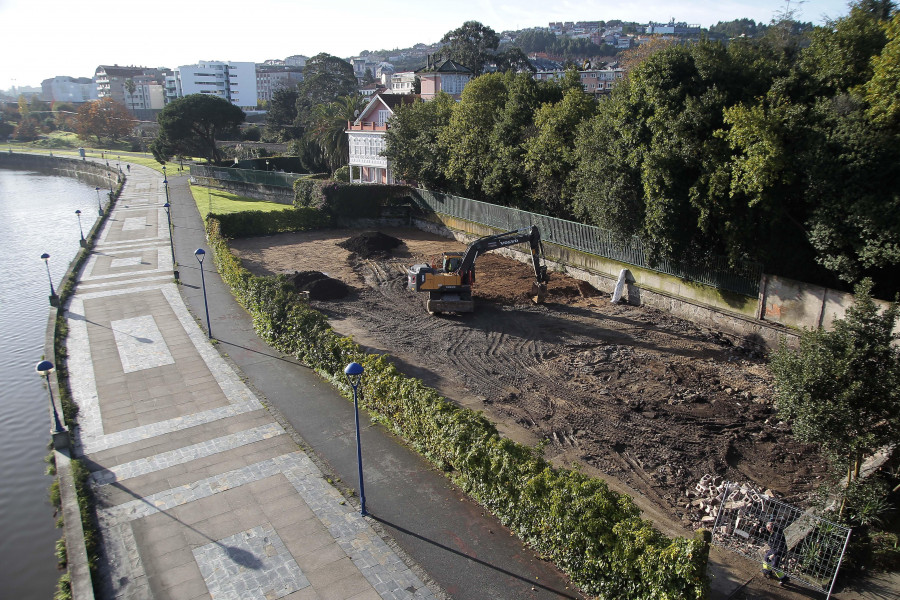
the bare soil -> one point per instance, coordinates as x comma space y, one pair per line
648, 401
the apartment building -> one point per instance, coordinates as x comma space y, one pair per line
232, 81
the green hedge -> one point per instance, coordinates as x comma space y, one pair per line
338, 198
591, 532
257, 222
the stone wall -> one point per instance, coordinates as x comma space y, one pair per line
94, 173
258, 191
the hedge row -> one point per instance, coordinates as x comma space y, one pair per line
257, 222
338, 199
591, 532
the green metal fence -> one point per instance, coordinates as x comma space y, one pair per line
742, 278
271, 178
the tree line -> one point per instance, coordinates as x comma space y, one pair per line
781, 150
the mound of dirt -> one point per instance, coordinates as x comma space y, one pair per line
319, 285
301, 279
370, 243
327, 289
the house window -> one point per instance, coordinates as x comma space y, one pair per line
383, 116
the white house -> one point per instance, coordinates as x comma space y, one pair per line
367, 138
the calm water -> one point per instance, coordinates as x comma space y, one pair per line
37, 215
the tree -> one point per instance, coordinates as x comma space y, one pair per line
104, 118
471, 45
281, 115
325, 79
841, 389
513, 59
882, 91
328, 127
416, 144
550, 157
190, 126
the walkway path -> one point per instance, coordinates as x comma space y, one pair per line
201, 492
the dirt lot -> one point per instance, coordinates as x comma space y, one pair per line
629, 393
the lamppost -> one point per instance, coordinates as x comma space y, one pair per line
267, 165
99, 204
354, 372
171, 243
54, 299
83, 242
166, 184
200, 253
60, 438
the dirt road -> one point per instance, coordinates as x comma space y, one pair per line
626, 392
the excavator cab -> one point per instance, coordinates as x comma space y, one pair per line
451, 261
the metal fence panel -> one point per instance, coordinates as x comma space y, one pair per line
271, 178
814, 546
742, 278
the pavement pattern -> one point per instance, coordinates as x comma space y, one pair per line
200, 492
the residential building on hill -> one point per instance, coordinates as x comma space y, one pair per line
449, 77
366, 137
111, 80
403, 83
68, 89
270, 78
233, 81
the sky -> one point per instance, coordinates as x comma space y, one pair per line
40, 40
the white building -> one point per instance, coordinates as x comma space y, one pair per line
233, 81
403, 83
68, 89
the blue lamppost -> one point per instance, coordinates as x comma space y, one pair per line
54, 299
60, 437
99, 204
83, 242
200, 253
171, 242
354, 372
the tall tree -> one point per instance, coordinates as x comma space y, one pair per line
325, 79
471, 45
281, 115
415, 143
841, 389
103, 118
328, 127
550, 157
191, 125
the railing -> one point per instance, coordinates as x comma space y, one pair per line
271, 178
743, 278
366, 126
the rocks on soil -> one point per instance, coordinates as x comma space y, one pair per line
370, 243
319, 285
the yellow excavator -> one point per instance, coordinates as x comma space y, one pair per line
449, 284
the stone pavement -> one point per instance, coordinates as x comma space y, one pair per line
200, 492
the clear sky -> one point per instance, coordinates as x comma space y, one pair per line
43, 39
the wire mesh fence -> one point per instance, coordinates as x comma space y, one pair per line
271, 178
742, 278
790, 541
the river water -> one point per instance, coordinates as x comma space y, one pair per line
37, 215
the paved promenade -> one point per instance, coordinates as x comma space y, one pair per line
201, 493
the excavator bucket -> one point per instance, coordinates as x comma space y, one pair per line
538, 292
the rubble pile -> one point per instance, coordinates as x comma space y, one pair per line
740, 509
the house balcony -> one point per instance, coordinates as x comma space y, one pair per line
365, 127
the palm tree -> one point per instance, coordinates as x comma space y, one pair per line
328, 129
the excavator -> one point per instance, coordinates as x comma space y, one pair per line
448, 280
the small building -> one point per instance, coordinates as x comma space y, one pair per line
448, 77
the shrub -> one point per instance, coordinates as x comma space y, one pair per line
255, 222
593, 533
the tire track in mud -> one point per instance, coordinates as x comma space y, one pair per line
634, 392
